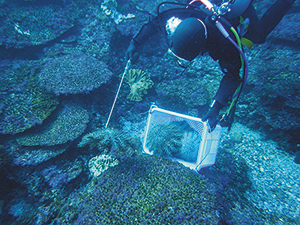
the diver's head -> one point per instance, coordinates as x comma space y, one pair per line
189, 39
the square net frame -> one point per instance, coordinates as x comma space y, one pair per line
207, 146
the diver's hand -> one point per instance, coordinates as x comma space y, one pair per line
213, 115
131, 50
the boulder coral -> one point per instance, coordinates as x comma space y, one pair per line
139, 83
73, 73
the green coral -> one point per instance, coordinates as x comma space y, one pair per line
23, 102
139, 82
69, 124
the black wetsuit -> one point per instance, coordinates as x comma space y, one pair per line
217, 46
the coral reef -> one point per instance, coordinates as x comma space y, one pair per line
193, 93
59, 176
69, 124
142, 189
32, 156
23, 103
242, 164
272, 101
139, 82
29, 26
100, 163
73, 73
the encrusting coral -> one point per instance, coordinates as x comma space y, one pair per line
139, 83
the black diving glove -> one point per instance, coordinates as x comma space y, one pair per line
213, 115
131, 50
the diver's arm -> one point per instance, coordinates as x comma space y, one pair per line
148, 30
230, 81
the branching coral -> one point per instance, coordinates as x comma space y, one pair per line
139, 82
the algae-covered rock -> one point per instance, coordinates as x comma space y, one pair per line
70, 123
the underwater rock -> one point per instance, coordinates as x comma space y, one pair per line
73, 73
69, 124
23, 103
100, 163
139, 82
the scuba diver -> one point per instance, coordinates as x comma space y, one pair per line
218, 28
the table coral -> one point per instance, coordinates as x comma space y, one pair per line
32, 156
139, 83
70, 123
73, 73
29, 26
23, 102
